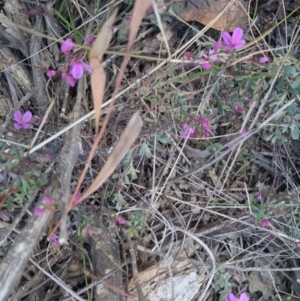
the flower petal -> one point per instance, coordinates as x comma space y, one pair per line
231, 297
185, 126
76, 70
67, 46
244, 297
237, 35
217, 45
26, 117
86, 67
39, 211
263, 59
240, 44
227, 38
51, 73
70, 80
206, 66
27, 126
17, 126
18, 116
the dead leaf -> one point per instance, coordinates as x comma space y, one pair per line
126, 140
98, 76
234, 16
215, 178
139, 10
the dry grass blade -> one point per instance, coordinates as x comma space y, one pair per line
98, 76
127, 138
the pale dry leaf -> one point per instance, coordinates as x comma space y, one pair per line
126, 140
214, 178
234, 14
98, 76
139, 10
102, 41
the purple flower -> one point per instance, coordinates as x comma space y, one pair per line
298, 243
150, 10
188, 55
264, 59
47, 200
39, 211
67, 77
70, 80
204, 123
250, 103
206, 65
235, 41
243, 131
67, 46
51, 73
77, 197
259, 197
187, 131
265, 223
121, 220
23, 121
89, 230
53, 241
243, 297
77, 69
89, 39
240, 108
217, 45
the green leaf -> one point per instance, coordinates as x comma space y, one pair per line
295, 132
296, 82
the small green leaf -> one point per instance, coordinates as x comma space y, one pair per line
296, 82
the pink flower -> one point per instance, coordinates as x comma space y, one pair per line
39, 211
243, 131
235, 41
204, 123
298, 243
67, 46
89, 39
187, 131
23, 121
240, 108
188, 55
264, 59
89, 230
77, 69
150, 10
51, 73
243, 297
48, 155
47, 200
77, 197
53, 241
265, 223
217, 45
121, 220
70, 80
259, 197
206, 65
